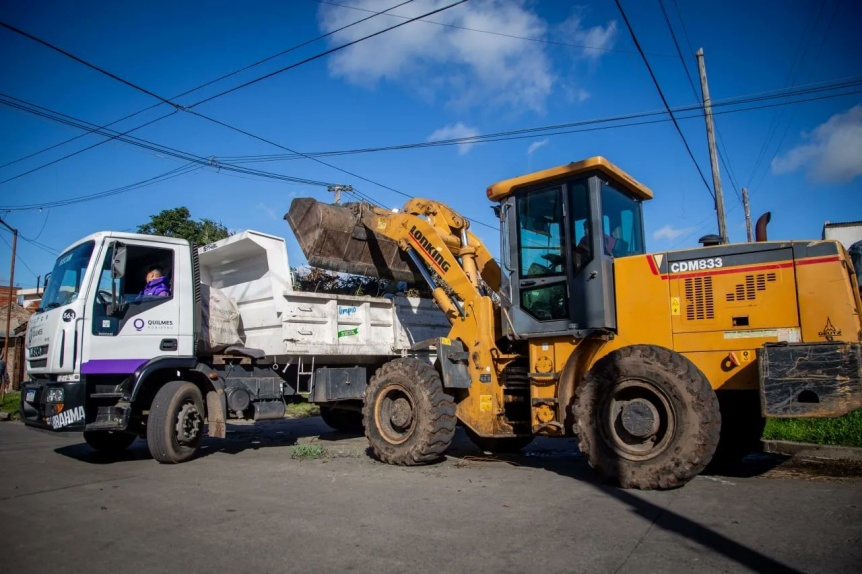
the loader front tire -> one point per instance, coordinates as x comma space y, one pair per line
647, 418
176, 421
408, 418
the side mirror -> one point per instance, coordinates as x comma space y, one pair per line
118, 260
118, 270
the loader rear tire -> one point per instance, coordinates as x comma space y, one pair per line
175, 424
342, 420
408, 418
109, 442
499, 445
647, 418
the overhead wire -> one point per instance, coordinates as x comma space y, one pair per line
723, 153
661, 95
209, 83
490, 32
18, 256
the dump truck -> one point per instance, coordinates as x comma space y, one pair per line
660, 363
108, 361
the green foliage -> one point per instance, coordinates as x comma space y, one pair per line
302, 410
11, 403
177, 222
307, 452
842, 431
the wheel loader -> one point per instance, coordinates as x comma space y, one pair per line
660, 363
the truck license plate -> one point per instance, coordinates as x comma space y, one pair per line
31, 395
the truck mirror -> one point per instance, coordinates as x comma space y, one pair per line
118, 260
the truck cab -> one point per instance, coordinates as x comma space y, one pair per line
95, 327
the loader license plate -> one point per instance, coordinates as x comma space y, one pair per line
31, 395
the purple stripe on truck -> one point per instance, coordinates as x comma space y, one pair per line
111, 366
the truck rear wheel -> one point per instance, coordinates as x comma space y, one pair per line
499, 445
647, 418
175, 424
341, 419
409, 420
109, 442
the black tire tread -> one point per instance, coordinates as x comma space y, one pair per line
669, 470
438, 421
161, 439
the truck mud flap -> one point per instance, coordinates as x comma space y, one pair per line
810, 379
333, 237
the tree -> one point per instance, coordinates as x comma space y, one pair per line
177, 222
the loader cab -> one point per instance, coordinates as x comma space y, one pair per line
562, 230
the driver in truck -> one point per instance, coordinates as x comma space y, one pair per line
157, 283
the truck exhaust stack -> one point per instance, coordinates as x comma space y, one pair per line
333, 237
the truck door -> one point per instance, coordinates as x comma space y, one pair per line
144, 323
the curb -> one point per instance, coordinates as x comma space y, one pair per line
810, 450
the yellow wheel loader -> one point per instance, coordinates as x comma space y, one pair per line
660, 363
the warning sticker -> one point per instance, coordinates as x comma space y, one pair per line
674, 306
485, 403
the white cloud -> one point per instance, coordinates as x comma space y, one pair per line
455, 131
536, 145
833, 152
669, 233
471, 68
596, 41
266, 209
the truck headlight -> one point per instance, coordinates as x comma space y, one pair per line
55, 395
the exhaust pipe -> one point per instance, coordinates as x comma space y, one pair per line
760, 226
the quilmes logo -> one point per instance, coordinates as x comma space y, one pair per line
138, 324
428, 248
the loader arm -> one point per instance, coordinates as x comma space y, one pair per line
460, 270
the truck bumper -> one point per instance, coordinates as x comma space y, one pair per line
810, 379
66, 415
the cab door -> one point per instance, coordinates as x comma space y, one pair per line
138, 327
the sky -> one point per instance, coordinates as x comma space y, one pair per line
480, 67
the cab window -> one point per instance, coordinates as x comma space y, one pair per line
622, 223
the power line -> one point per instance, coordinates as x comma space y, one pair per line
694, 111
199, 87
514, 37
326, 53
661, 94
18, 256
721, 156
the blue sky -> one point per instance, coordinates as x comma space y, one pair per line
423, 82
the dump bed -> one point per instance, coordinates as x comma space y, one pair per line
252, 269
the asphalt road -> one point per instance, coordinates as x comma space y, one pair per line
245, 505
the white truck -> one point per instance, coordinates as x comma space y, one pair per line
106, 360
848, 233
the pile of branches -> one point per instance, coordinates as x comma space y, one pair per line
315, 280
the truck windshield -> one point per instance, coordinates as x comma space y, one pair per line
67, 276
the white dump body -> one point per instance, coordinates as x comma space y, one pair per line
252, 269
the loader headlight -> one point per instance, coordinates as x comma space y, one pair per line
56, 395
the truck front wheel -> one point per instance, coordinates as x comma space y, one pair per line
175, 424
647, 418
409, 420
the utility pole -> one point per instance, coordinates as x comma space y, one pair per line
9, 303
337, 189
747, 214
713, 155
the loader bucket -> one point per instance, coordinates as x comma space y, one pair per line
332, 237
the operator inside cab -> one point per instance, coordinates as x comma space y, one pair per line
157, 284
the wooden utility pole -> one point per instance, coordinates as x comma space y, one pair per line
713, 155
9, 307
747, 214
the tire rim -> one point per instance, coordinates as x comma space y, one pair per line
637, 419
394, 414
188, 424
